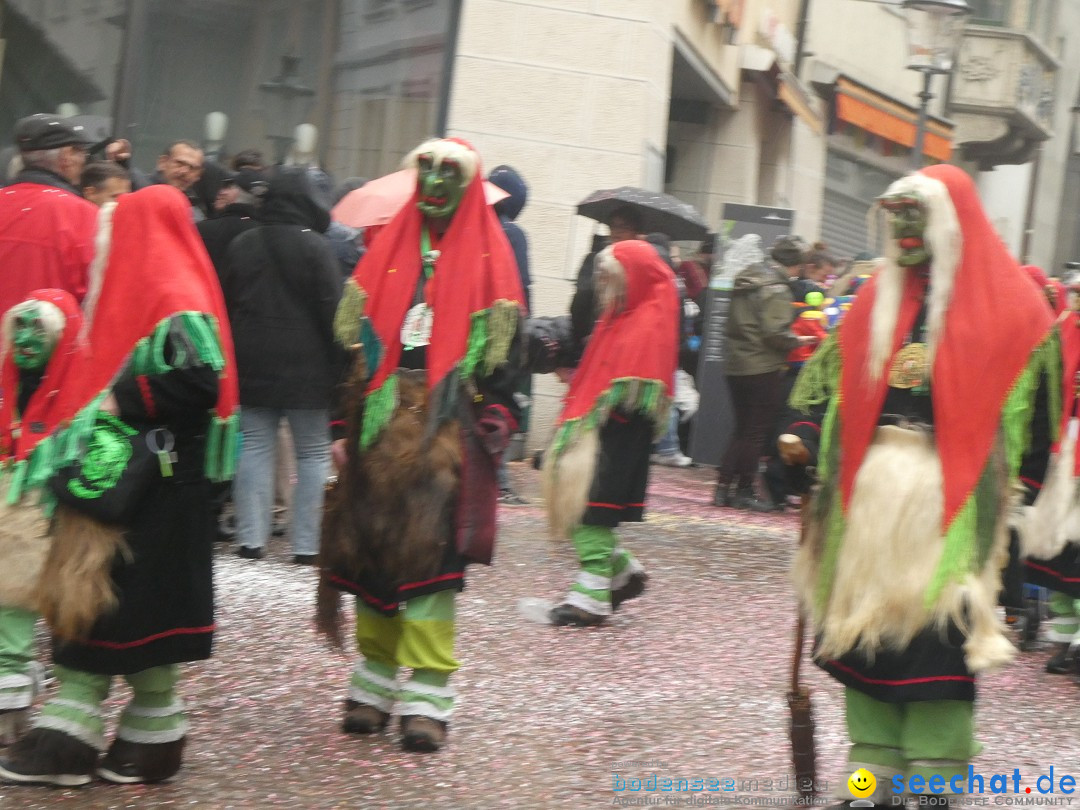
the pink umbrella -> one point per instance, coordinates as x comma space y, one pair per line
376, 202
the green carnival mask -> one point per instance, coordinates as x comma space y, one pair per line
442, 185
33, 342
907, 219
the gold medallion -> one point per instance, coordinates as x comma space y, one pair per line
909, 368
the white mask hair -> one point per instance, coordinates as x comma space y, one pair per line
440, 149
609, 281
102, 246
944, 242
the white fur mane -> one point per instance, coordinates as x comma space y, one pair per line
609, 281
441, 149
102, 246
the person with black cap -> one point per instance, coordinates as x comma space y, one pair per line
46, 228
234, 212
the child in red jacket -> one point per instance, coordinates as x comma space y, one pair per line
810, 321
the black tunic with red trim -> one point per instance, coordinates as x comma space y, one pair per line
1062, 573
164, 585
618, 488
932, 666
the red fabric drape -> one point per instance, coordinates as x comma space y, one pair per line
157, 267
995, 319
640, 342
475, 268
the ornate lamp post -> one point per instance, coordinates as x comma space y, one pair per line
935, 28
286, 106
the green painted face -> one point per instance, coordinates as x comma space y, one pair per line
33, 344
907, 219
441, 187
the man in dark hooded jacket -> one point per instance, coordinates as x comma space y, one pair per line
282, 284
508, 210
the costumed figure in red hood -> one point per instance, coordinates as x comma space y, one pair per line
431, 315
40, 348
147, 420
597, 468
1049, 529
936, 384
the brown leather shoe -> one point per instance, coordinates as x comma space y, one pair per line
419, 733
360, 718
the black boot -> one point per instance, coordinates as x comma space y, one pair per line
633, 588
746, 498
1061, 662
722, 496
572, 616
48, 757
131, 763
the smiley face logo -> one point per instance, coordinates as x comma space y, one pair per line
861, 783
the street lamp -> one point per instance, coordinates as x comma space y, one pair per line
935, 28
286, 105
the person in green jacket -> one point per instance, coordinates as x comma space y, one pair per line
759, 337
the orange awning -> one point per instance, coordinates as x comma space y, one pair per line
790, 91
886, 118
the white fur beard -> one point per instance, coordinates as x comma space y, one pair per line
892, 547
566, 480
1048, 525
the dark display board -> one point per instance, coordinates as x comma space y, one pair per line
714, 422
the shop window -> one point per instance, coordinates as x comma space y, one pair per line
991, 12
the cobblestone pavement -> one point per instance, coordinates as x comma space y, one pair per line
691, 676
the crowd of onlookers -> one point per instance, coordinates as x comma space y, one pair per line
282, 259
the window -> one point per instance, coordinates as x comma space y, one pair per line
991, 12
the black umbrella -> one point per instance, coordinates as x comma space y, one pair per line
659, 212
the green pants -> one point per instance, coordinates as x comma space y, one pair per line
419, 637
154, 715
1064, 624
929, 738
605, 567
16, 654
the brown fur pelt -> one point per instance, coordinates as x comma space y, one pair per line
391, 513
24, 545
75, 586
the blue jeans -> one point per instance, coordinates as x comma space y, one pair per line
669, 442
253, 489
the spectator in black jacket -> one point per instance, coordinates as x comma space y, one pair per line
508, 210
282, 284
238, 200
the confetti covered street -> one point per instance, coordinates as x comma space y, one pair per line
691, 678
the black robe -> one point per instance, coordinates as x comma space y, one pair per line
165, 613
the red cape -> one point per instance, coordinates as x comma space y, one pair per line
157, 268
640, 342
476, 268
995, 319
53, 403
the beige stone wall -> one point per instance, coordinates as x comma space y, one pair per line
574, 95
868, 42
